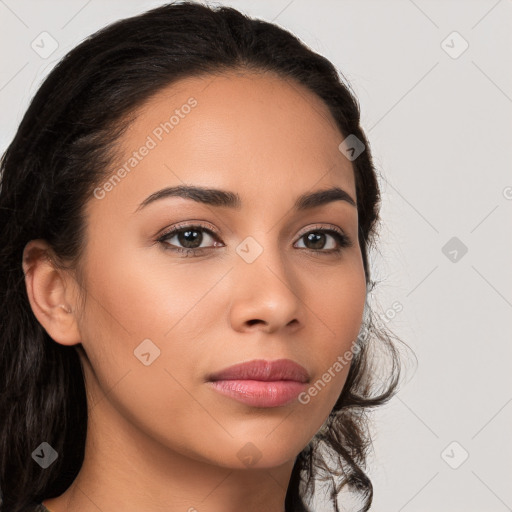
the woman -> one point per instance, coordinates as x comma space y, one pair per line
186, 214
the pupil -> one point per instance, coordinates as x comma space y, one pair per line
317, 239
184, 238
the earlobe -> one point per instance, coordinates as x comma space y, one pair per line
48, 291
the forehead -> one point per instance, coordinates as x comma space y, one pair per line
244, 131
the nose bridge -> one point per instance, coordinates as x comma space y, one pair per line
262, 240
260, 252
265, 287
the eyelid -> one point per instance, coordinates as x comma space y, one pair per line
321, 227
186, 224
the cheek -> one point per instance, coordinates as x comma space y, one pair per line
340, 313
142, 309
344, 306
140, 334
339, 305
137, 295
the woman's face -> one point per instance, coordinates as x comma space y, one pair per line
158, 322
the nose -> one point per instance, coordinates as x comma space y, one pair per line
266, 294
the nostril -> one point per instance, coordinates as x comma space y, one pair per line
252, 322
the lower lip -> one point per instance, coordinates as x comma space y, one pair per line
257, 393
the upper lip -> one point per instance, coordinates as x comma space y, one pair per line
259, 369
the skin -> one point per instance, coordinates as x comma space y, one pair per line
159, 438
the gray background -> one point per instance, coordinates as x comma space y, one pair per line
439, 124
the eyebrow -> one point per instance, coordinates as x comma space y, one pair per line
227, 199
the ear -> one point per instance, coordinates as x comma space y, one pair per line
51, 293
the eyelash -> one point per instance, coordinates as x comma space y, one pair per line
343, 240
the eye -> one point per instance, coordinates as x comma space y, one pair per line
317, 238
192, 236
189, 236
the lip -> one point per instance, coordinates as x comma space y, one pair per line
261, 383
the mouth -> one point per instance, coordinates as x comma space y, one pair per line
261, 383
